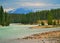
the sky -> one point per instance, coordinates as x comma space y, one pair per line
32, 4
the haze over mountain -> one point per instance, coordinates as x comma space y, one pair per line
21, 11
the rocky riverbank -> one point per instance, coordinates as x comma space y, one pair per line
53, 34
45, 26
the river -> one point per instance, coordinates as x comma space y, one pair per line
19, 31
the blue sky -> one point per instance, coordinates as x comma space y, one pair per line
33, 4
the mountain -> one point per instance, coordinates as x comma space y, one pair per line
21, 11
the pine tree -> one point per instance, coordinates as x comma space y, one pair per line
4, 18
1, 15
7, 20
49, 17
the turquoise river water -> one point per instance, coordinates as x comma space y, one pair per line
19, 31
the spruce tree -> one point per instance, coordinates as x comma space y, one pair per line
7, 20
1, 15
4, 18
49, 17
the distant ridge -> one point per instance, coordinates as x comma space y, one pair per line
21, 11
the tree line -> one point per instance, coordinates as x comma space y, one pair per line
30, 18
33, 17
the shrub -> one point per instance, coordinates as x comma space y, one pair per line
42, 23
54, 23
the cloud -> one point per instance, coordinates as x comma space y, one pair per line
36, 4
8, 9
33, 4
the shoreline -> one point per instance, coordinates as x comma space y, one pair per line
52, 34
45, 26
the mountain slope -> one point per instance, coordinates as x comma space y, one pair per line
21, 11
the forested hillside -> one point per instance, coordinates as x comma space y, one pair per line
33, 17
30, 18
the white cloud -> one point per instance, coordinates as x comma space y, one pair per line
37, 4
33, 4
8, 9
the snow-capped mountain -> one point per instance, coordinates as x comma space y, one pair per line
21, 11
